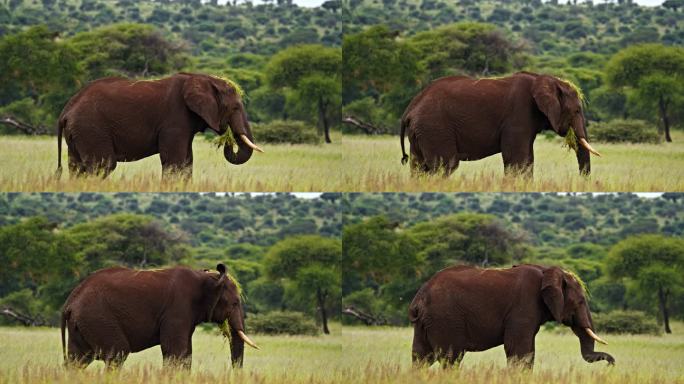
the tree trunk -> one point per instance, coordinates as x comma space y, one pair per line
662, 105
662, 301
323, 119
321, 307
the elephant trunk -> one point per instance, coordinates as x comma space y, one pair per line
240, 127
587, 347
237, 348
583, 147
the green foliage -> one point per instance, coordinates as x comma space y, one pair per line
631, 322
38, 72
131, 50
286, 131
282, 323
625, 131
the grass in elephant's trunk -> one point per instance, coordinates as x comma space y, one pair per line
226, 139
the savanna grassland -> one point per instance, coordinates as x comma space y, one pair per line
373, 164
35, 356
29, 164
383, 355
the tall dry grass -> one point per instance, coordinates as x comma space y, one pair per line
373, 164
28, 164
383, 355
30, 356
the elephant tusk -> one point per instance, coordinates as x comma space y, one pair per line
250, 144
594, 336
586, 145
247, 340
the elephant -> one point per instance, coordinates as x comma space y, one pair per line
465, 308
116, 311
119, 120
460, 118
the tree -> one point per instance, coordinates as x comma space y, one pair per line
655, 263
309, 267
655, 73
312, 73
125, 239
377, 63
37, 75
127, 49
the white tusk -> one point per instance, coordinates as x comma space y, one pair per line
250, 144
586, 145
247, 340
595, 337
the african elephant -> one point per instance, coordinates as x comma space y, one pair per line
466, 308
116, 119
459, 118
116, 311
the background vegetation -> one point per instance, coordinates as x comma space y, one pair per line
628, 249
627, 58
51, 241
53, 47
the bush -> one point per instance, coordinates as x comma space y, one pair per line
625, 131
282, 322
281, 131
633, 322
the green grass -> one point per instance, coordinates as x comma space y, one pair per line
35, 356
373, 164
383, 355
29, 164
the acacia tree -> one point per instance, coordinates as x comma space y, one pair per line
309, 268
654, 73
312, 73
655, 263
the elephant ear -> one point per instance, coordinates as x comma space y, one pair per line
199, 96
545, 93
552, 292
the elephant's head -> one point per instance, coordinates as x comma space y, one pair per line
564, 297
225, 307
219, 104
562, 105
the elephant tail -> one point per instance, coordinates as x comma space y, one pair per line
404, 156
60, 128
62, 326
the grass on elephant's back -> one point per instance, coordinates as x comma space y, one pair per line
29, 164
372, 164
35, 356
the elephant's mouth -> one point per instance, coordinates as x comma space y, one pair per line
226, 332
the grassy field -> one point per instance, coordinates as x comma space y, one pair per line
35, 356
373, 164
29, 163
382, 355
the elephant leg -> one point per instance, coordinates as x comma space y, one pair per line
79, 353
76, 166
517, 153
439, 153
176, 345
175, 153
422, 353
101, 163
519, 348
114, 361
453, 358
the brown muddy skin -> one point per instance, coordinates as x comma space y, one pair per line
147, 308
458, 118
467, 309
117, 119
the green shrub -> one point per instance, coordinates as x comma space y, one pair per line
282, 131
281, 322
633, 322
625, 131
